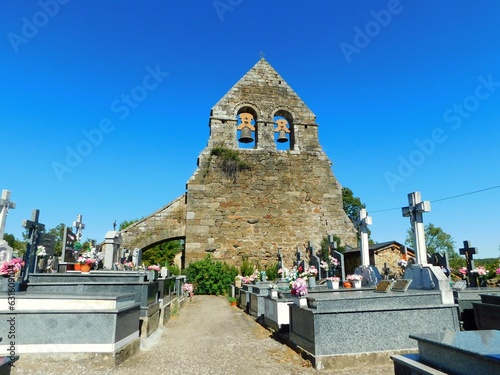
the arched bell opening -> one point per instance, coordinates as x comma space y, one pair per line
246, 128
283, 130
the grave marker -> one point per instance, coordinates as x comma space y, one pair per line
332, 246
415, 211
34, 229
5, 205
314, 260
469, 253
69, 253
79, 227
364, 221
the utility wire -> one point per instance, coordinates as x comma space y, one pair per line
444, 199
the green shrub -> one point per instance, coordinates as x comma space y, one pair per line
246, 268
210, 276
272, 271
174, 270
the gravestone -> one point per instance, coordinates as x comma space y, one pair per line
332, 249
112, 244
5, 205
415, 211
423, 275
469, 253
314, 260
34, 229
440, 260
70, 254
137, 257
371, 275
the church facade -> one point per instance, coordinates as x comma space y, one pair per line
263, 182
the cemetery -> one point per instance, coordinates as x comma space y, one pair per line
335, 308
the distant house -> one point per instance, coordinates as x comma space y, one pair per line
382, 255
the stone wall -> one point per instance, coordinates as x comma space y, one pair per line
169, 222
284, 200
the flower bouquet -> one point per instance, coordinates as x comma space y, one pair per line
12, 267
188, 289
299, 287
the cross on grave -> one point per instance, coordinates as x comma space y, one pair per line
34, 229
5, 205
314, 259
280, 259
364, 221
469, 253
414, 211
298, 262
386, 271
332, 246
79, 226
114, 225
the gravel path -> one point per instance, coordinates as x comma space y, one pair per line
207, 337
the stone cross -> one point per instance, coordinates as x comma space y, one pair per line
364, 221
414, 211
34, 229
79, 226
5, 204
469, 253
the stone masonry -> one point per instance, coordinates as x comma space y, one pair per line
282, 198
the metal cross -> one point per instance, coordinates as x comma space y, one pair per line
414, 211
469, 253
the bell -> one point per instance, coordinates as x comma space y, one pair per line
282, 137
246, 136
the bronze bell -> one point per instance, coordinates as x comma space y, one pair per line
282, 137
246, 136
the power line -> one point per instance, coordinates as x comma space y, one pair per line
444, 199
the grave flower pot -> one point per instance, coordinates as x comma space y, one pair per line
152, 275
356, 283
332, 284
311, 282
85, 268
347, 284
77, 267
299, 301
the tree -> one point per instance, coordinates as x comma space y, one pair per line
127, 223
162, 254
436, 240
18, 246
352, 205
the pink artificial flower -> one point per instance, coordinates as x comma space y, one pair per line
498, 271
463, 271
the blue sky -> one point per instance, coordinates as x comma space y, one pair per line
105, 105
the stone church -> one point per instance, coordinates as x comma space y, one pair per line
263, 182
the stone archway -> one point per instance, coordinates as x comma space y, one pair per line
168, 223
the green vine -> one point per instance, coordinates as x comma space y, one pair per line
231, 163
